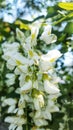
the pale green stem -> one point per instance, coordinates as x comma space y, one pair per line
62, 19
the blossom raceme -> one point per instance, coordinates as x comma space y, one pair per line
31, 74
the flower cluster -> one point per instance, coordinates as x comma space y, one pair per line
38, 84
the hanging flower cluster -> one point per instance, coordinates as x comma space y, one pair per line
38, 84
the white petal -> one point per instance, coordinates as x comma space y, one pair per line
47, 65
51, 56
10, 101
20, 112
50, 88
20, 59
48, 60
19, 128
54, 109
47, 31
22, 79
20, 35
9, 119
36, 104
47, 37
11, 109
46, 115
37, 114
23, 68
15, 120
40, 122
50, 39
11, 78
10, 75
27, 86
12, 127
41, 100
11, 64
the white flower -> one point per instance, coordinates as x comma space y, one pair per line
20, 59
43, 114
20, 35
46, 115
27, 46
11, 64
44, 65
15, 120
47, 60
9, 57
10, 101
38, 114
21, 103
34, 56
12, 104
51, 56
47, 36
21, 69
20, 111
50, 88
26, 97
52, 107
47, 29
41, 100
56, 79
11, 79
36, 104
22, 79
15, 58
54, 96
11, 109
35, 84
27, 86
34, 32
9, 47
40, 122
19, 128
12, 127
8, 54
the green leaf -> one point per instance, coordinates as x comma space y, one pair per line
69, 28
66, 5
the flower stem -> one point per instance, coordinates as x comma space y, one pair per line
27, 118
